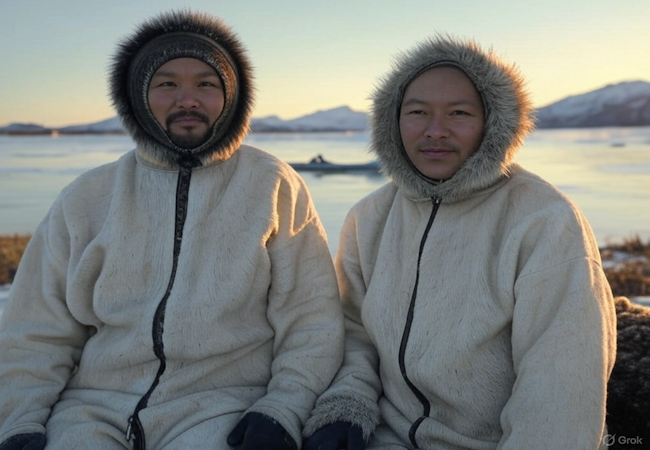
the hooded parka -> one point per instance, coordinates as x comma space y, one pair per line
175, 289
477, 312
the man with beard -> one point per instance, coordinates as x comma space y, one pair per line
184, 295
186, 97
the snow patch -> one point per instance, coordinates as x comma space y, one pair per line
623, 104
615, 259
112, 125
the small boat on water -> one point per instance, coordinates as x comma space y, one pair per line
319, 164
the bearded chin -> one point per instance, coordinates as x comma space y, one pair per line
188, 140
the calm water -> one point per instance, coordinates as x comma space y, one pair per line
605, 171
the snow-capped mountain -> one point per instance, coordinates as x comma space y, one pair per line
622, 104
337, 119
268, 123
24, 128
112, 125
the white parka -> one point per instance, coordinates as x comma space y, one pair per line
191, 295
477, 312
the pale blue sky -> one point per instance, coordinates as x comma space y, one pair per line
312, 55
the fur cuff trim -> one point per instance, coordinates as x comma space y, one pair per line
345, 408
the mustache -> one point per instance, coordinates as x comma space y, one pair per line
180, 114
443, 145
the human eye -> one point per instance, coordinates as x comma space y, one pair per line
162, 84
209, 80
413, 112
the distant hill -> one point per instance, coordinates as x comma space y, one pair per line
623, 104
24, 128
108, 126
337, 119
112, 125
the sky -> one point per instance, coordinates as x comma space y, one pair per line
312, 55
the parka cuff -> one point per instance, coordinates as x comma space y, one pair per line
346, 408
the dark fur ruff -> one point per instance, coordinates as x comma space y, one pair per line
227, 135
509, 117
628, 390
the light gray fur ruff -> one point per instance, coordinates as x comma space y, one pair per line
509, 117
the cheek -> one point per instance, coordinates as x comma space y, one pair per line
408, 131
157, 106
477, 133
470, 133
219, 103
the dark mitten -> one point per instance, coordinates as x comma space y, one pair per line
257, 431
336, 436
27, 441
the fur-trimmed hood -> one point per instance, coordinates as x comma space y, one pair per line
508, 117
174, 35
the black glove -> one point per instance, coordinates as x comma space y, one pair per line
26, 441
257, 431
336, 436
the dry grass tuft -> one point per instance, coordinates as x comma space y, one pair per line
11, 250
633, 246
629, 278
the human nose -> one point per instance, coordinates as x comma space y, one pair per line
187, 98
436, 128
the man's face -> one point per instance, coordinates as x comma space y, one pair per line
441, 121
186, 97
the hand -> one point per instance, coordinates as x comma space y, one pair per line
336, 436
27, 441
257, 431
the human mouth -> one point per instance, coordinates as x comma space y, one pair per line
185, 119
436, 152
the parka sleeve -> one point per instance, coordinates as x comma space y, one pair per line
304, 310
40, 341
355, 391
563, 342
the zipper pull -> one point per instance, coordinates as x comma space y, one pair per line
129, 429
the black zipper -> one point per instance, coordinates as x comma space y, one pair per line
134, 429
426, 406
